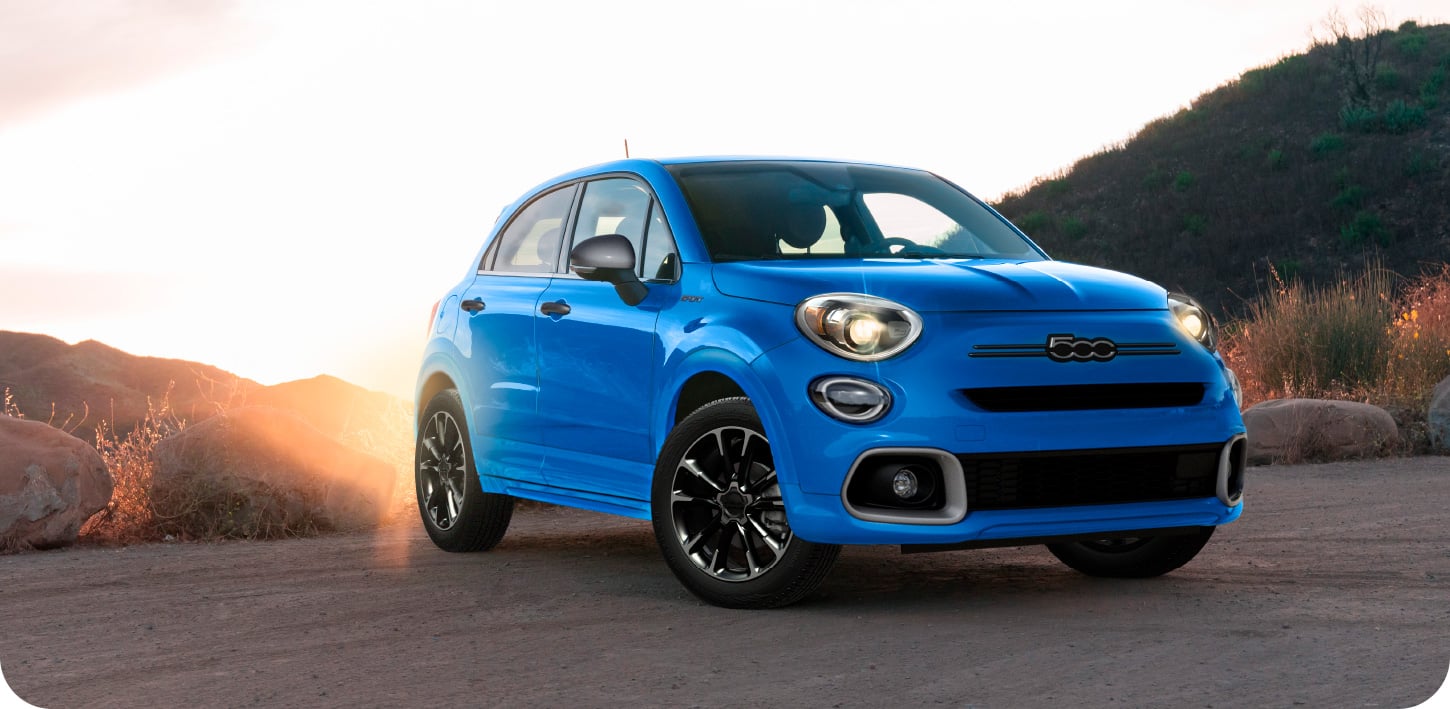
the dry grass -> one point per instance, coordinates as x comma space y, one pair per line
131, 516
1360, 340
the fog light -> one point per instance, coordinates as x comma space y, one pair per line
851, 400
905, 484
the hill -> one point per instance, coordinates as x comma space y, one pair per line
1308, 165
89, 381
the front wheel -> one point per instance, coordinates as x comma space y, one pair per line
1132, 557
719, 518
457, 513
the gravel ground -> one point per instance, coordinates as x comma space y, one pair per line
1333, 590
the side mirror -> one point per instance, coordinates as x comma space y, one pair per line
609, 258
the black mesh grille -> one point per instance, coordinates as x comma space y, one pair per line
1083, 397
1058, 479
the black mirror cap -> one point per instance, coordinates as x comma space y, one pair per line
609, 258
597, 258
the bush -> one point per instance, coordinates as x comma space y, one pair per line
1430, 89
1411, 45
1035, 221
1318, 344
1326, 143
1074, 228
1418, 165
130, 517
1155, 179
1195, 224
1419, 342
1183, 181
1364, 229
1362, 119
1275, 160
1387, 78
1400, 117
1351, 197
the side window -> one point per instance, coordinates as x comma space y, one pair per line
660, 263
614, 206
530, 243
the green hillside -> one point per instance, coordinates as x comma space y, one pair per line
1310, 164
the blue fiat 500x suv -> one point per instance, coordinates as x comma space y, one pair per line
769, 358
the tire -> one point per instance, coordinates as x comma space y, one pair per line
458, 515
1132, 557
719, 518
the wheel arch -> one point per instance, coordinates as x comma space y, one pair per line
429, 386
710, 375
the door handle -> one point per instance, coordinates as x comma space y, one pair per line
555, 308
471, 305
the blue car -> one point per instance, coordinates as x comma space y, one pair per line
770, 358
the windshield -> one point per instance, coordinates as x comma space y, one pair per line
749, 211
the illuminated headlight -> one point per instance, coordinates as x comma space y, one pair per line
859, 327
1193, 319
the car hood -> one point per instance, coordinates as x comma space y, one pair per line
941, 285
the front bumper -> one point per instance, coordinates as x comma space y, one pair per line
815, 454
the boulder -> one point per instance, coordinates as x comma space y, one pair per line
50, 483
1439, 416
1294, 430
264, 472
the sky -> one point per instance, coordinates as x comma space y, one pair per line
283, 188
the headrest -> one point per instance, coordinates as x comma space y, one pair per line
801, 225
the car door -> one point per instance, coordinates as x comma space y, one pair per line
499, 311
598, 356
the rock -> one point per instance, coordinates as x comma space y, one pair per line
50, 483
1295, 430
264, 472
1439, 416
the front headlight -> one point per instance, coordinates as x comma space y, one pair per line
859, 327
1193, 319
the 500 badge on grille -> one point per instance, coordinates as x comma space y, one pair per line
1067, 348
1071, 348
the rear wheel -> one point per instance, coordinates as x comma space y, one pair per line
1132, 557
457, 513
719, 518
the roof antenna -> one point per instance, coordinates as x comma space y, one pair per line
626, 148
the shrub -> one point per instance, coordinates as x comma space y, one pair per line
1058, 187
130, 516
1035, 221
1362, 119
1418, 165
1155, 179
1430, 89
1325, 343
1364, 229
1326, 143
1351, 197
1400, 117
1419, 342
1411, 45
1183, 181
1195, 224
1387, 78
1073, 228
1275, 160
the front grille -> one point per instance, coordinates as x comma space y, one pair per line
1063, 478
1084, 397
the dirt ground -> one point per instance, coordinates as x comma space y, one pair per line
1333, 590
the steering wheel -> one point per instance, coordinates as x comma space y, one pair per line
910, 248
